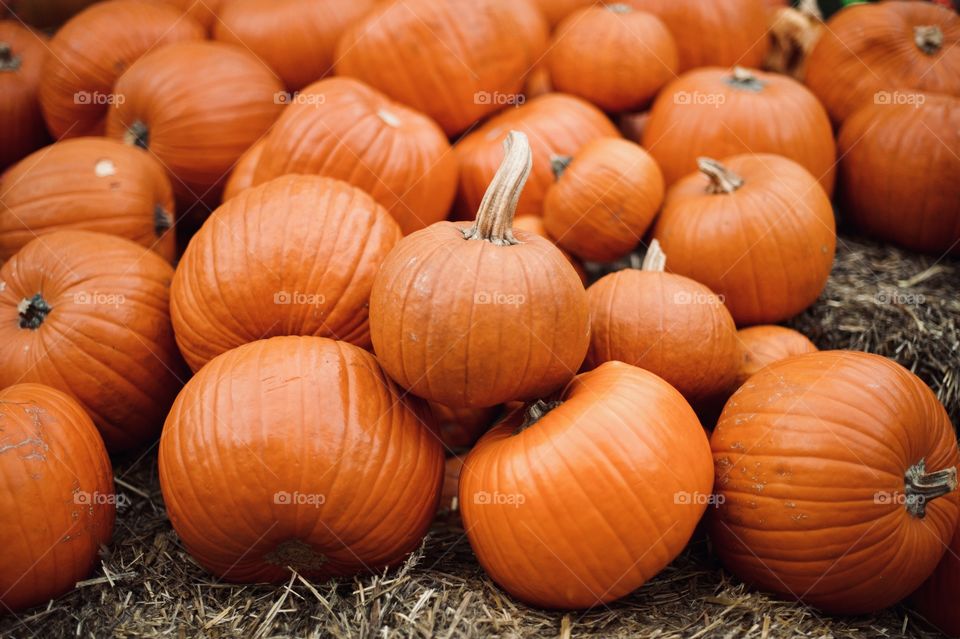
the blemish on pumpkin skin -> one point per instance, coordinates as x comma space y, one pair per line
790, 504
296, 554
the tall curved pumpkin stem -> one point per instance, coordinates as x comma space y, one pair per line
495, 217
722, 179
929, 39
922, 487
655, 260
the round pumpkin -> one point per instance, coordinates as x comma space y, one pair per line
343, 129
242, 279
556, 124
241, 177
22, 52
756, 229
461, 427
419, 53
91, 184
587, 56
298, 452
937, 597
604, 199
883, 53
836, 479
900, 172
713, 33
92, 50
56, 497
718, 112
195, 126
765, 344
87, 314
295, 37
476, 315
579, 502
667, 324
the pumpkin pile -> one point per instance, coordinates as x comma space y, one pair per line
352, 262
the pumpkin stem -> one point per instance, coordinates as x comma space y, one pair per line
722, 179
655, 260
535, 413
137, 135
33, 311
8, 61
921, 486
495, 217
744, 79
929, 39
162, 220
619, 7
559, 164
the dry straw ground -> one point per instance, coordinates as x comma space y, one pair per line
879, 299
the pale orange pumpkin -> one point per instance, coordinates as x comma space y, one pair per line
765, 344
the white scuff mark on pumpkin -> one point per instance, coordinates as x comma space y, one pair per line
389, 118
29, 441
3, 286
413, 337
105, 168
422, 284
790, 504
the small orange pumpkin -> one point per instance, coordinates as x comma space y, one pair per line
765, 344
22, 53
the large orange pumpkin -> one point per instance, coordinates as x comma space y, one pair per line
581, 501
718, 112
242, 279
473, 316
22, 53
713, 33
937, 597
836, 479
343, 129
604, 199
56, 495
882, 53
766, 344
295, 37
324, 465
91, 184
588, 56
92, 50
556, 125
900, 172
87, 314
757, 229
196, 127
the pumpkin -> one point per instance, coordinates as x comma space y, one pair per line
883, 53
556, 124
765, 344
92, 50
936, 599
604, 199
717, 112
197, 128
579, 502
87, 314
241, 279
556, 10
343, 129
586, 56
476, 315
836, 478
91, 184
241, 177
418, 53
713, 33
21, 123
667, 324
757, 229
203, 11
56, 497
244, 432
295, 37
900, 172
461, 427
534, 224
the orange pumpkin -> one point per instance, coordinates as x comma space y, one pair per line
418, 53
586, 56
87, 314
937, 597
581, 501
718, 112
91, 184
343, 129
461, 427
883, 53
22, 53
241, 177
92, 50
604, 199
555, 124
241, 279
295, 37
196, 128
474, 316
242, 435
56, 495
836, 478
765, 344
900, 172
757, 229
